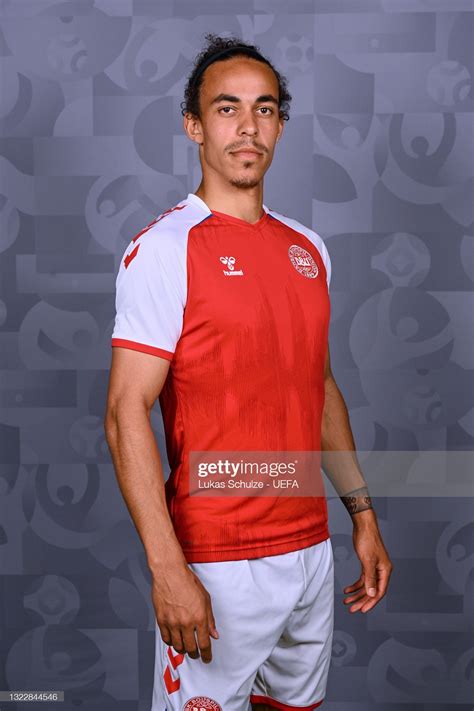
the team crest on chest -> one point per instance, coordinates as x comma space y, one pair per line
303, 262
201, 703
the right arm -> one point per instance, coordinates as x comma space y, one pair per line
181, 602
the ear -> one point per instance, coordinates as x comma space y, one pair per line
282, 123
192, 127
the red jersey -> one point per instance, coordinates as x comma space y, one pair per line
241, 311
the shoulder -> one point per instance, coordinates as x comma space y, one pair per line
313, 236
299, 227
166, 236
172, 226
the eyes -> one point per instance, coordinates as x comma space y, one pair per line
265, 108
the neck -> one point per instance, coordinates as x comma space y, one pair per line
244, 204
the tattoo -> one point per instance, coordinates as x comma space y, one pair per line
357, 500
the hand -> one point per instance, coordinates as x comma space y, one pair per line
183, 605
376, 569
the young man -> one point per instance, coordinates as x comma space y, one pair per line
223, 313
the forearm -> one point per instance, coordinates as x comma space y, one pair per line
339, 459
139, 473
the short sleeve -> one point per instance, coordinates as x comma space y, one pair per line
323, 251
326, 261
151, 295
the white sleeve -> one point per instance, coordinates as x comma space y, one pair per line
151, 292
317, 240
327, 261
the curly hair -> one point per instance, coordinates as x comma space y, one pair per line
215, 45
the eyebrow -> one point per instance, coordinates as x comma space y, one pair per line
266, 98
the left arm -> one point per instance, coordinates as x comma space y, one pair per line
343, 468
346, 476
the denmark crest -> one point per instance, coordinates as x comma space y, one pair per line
302, 261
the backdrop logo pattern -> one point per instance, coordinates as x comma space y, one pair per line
377, 158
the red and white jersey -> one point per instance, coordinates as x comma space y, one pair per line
242, 312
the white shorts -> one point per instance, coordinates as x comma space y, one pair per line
275, 618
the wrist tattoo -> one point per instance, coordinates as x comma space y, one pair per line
357, 500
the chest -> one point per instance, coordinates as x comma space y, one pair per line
262, 282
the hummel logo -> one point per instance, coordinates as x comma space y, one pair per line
229, 262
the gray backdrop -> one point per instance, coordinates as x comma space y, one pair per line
92, 149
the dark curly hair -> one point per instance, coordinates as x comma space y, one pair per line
217, 44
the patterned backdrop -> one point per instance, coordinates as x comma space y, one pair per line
92, 149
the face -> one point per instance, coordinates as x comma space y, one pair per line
237, 111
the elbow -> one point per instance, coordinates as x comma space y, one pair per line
114, 413
110, 425
123, 410
329, 380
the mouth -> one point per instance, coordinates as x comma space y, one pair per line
246, 154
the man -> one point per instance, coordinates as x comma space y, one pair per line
223, 314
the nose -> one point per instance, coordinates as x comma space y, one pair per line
248, 123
